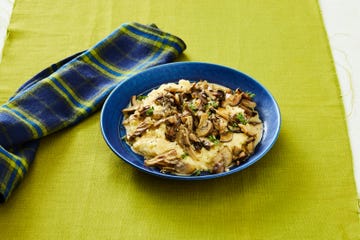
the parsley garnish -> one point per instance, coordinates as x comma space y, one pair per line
250, 94
213, 104
184, 155
192, 107
141, 97
150, 111
240, 117
213, 139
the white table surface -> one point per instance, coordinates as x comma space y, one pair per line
341, 18
6, 7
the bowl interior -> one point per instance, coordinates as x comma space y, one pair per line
111, 115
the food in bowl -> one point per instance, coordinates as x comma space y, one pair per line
186, 128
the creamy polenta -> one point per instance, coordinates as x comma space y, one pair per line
188, 127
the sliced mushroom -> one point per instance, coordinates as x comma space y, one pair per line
159, 122
183, 168
206, 143
182, 138
178, 100
238, 153
129, 110
188, 122
145, 111
172, 119
159, 100
200, 85
252, 131
170, 162
172, 127
220, 124
222, 160
191, 153
247, 130
250, 147
167, 120
248, 103
235, 99
222, 112
247, 95
140, 130
243, 128
236, 150
164, 159
203, 97
218, 167
134, 101
186, 96
242, 155
171, 132
254, 120
200, 104
248, 111
226, 136
220, 95
167, 101
233, 124
205, 126
195, 142
134, 106
227, 155
250, 139
209, 94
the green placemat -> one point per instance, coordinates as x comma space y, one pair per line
78, 189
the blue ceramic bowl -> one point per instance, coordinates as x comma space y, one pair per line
142, 83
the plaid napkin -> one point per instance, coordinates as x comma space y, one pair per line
69, 91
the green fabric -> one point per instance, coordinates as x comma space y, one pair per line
78, 189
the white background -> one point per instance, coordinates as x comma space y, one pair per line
341, 18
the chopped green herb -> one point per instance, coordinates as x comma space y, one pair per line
240, 117
150, 111
233, 128
250, 94
213, 139
192, 107
197, 172
212, 103
184, 155
141, 97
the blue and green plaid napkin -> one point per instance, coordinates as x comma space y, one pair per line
69, 91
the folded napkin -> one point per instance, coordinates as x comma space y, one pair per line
72, 89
